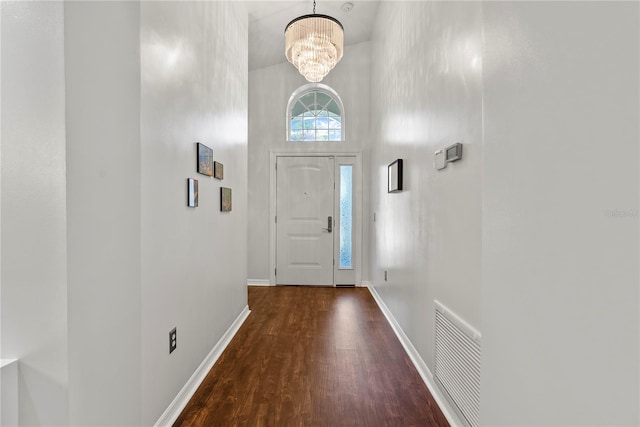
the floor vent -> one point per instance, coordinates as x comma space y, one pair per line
457, 363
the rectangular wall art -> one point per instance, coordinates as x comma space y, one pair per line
225, 199
205, 160
218, 170
192, 192
395, 176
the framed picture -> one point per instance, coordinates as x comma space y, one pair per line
192, 192
218, 170
225, 199
395, 177
205, 160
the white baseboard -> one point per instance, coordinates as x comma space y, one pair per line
417, 360
258, 282
172, 413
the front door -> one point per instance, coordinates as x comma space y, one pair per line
304, 220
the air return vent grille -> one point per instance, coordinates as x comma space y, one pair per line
457, 363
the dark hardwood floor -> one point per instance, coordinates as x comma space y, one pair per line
313, 357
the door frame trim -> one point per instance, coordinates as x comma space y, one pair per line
358, 189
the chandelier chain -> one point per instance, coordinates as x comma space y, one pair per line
314, 6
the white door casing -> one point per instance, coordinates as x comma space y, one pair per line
304, 204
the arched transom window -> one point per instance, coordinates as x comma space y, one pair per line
315, 114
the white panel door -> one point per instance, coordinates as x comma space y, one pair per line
304, 204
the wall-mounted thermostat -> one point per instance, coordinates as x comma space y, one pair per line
453, 152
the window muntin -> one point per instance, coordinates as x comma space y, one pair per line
315, 114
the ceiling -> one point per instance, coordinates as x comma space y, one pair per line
267, 20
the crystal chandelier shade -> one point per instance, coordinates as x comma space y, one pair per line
314, 45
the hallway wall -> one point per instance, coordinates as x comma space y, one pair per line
425, 97
103, 219
194, 261
269, 91
533, 236
33, 282
560, 305
102, 103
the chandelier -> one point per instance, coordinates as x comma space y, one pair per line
314, 44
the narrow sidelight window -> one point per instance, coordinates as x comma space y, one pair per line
346, 215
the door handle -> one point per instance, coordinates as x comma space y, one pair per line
329, 225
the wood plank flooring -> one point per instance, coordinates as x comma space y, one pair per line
313, 357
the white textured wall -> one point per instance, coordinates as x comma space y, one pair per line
34, 259
102, 59
9, 406
194, 261
426, 95
533, 236
102, 104
560, 306
269, 91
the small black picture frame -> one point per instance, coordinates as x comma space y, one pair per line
205, 160
395, 176
218, 170
225, 199
192, 193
